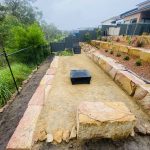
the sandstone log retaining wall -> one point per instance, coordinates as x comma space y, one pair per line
131, 84
143, 54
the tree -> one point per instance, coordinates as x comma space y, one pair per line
51, 32
23, 10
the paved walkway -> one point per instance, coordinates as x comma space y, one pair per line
62, 102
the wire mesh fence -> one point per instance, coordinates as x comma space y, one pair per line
16, 66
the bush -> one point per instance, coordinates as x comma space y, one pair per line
129, 40
111, 52
4, 93
138, 62
139, 43
118, 54
104, 39
20, 71
87, 37
118, 39
33, 37
65, 53
126, 58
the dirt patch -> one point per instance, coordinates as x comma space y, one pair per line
10, 118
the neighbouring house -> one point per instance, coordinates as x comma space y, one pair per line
112, 21
141, 14
132, 22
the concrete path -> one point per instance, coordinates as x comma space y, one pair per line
60, 109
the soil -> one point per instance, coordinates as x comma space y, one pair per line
59, 112
138, 142
11, 116
142, 71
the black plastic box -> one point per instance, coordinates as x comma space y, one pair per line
80, 77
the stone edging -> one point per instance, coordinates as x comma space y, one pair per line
142, 53
131, 84
24, 133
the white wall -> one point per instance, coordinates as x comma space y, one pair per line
114, 31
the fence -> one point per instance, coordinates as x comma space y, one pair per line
126, 29
16, 66
73, 39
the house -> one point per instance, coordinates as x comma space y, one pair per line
141, 14
112, 21
132, 22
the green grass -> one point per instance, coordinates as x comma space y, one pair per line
20, 71
65, 53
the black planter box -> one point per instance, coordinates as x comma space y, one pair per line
80, 77
76, 48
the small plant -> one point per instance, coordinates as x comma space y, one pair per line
111, 52
118, 39
139, 43
106, 50
118, 54
104, 39
126, 58
138, 62
129, 40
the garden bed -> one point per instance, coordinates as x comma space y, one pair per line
143, 70
139, 67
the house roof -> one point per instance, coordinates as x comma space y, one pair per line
112, 18
140, 8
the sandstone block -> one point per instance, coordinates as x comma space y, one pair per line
58, 135
38, 97
127, 81
104, 120
51, 71
47, 80
23, 135
145, 55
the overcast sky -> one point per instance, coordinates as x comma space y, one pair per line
74, 14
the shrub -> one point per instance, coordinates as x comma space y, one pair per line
32, 36
118, 54
139, 43
126, 58
20, 71
87, 37
111, 52
65, 53
129, 40
118, 39
138, 62
4, 93
104, 39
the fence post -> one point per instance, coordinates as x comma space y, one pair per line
6, 57
35, 57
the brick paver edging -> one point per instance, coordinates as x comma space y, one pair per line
24, 133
